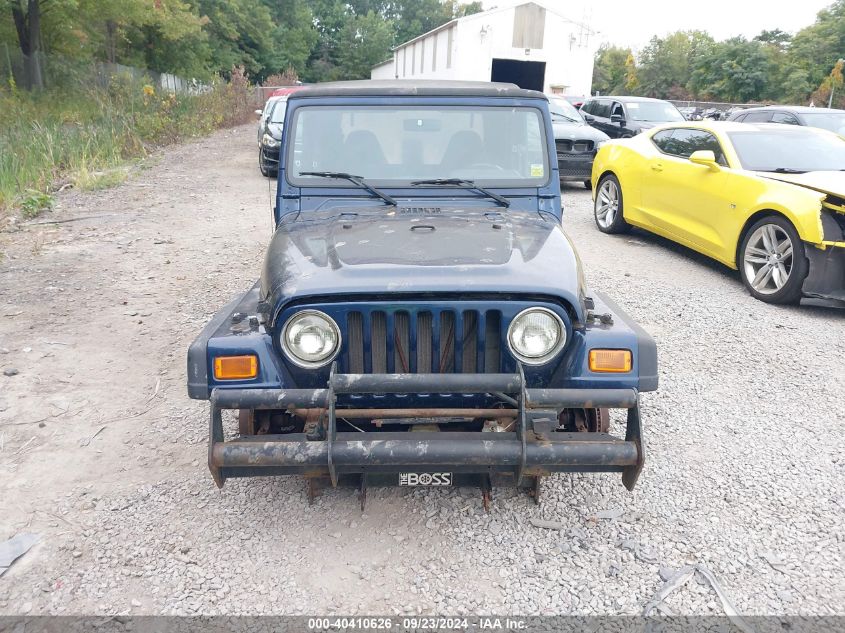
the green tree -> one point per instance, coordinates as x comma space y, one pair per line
736, 70
294, 36
365, 41
415, 17
337, 24
776, 38
173, 40
460, 10
610, 72
240, 33
105, 22
794, 85
817, 47
775, 45
664, 65
329, 17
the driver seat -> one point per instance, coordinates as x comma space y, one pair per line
362, 149
464, 148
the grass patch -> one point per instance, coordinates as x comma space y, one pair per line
33, 203
89, 136
95, 180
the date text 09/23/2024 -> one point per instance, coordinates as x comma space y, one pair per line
416, 624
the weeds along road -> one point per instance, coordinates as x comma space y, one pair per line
103, 455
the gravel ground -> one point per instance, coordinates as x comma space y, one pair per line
103, 455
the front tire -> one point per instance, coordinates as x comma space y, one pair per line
772, 262
608, 208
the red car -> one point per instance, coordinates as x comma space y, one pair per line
284, 92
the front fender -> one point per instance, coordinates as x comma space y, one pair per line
223, 337
616, 330
801, 206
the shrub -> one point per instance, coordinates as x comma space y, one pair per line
33, 203
81, 135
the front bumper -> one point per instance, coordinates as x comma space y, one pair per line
271, 154
575, 167
826, 278
532, 450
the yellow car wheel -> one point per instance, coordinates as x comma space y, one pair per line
772, 262
608, 206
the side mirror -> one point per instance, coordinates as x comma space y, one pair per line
588, 118
259, 112
705, 157
617, 118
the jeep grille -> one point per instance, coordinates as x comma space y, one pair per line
424, 342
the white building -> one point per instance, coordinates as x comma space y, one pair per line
532, 45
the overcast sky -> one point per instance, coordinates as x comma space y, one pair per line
633, 22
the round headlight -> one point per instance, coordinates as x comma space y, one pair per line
536, 335
310, 338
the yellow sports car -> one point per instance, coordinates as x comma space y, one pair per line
767, 199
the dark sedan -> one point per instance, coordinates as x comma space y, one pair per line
270, 136
623, 117
825, 118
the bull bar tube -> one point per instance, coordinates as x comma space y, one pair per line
523, 452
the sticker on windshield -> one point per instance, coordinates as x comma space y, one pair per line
537, 171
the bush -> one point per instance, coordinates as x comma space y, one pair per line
81, 135
33, 203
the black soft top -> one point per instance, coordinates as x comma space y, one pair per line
418, 87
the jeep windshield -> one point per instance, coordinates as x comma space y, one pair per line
395, 145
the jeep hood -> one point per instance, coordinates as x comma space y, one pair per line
829, 182
385, 251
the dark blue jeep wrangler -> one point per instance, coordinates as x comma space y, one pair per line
421, 318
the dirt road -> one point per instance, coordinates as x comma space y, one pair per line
103, 455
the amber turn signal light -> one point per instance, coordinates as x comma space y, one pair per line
610, 360
235, 367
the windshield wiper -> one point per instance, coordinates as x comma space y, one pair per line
566, 118
358, 180
466, 184
786, 170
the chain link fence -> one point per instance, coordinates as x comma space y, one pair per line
41, 70
717, 105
